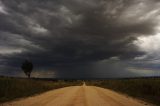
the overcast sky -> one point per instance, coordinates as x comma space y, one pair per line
80, 38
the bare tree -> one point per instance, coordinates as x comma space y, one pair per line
27, 67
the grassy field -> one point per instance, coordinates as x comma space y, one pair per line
12, 88
147, 89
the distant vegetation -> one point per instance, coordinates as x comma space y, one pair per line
27, 67
147, 89
11, 88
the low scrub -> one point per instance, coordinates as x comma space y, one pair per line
146, 89
11, 88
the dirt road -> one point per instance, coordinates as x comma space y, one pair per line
78, 96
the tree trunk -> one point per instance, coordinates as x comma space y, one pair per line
29, 76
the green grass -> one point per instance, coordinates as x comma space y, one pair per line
146, 89
12, 88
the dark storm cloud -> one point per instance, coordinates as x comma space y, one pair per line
56, 34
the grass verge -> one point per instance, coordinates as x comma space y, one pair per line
12, 88
147, 89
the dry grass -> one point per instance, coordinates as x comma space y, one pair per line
147, 89
11, 88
